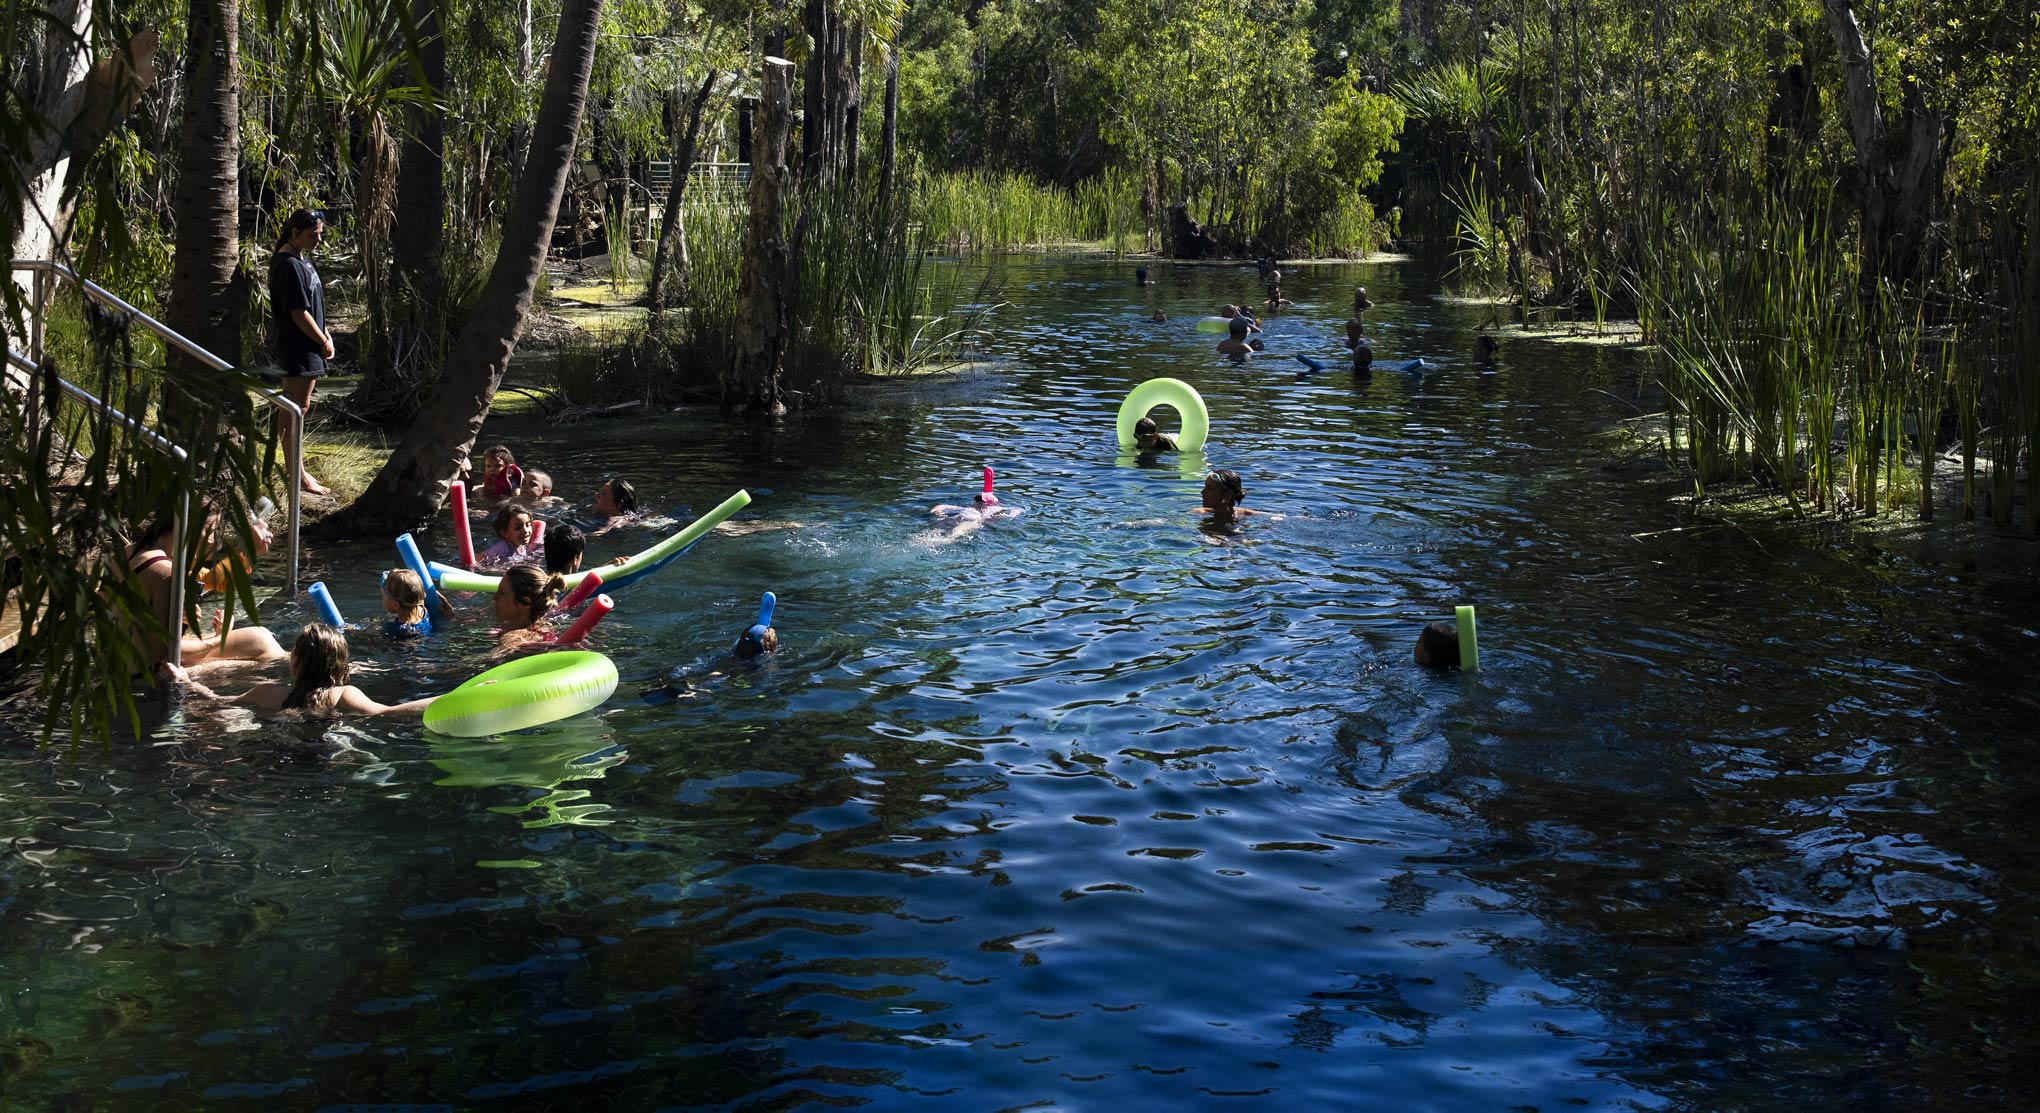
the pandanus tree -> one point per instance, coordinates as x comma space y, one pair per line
413, 483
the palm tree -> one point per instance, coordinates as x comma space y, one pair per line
207, 287
412, 485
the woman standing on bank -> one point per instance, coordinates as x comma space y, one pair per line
297, 306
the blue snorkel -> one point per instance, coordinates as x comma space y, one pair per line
753, 642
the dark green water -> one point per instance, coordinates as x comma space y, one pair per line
1086, 814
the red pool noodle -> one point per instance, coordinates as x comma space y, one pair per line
590, 581
537, 532
594, 614
461, 536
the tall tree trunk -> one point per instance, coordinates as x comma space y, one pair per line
751, 383
669, 226
1896, 194
853, 98
207, 289
814, 91
420, 229
411, 486
889, 141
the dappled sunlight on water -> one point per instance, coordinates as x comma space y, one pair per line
1100, 806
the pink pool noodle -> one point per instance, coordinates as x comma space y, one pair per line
594, 614
988, 498
590, 581
537, 532
461, 536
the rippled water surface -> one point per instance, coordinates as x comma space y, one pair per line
1100, 809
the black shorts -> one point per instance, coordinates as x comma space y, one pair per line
308, 366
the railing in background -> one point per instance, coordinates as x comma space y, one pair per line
45, 272
179, 566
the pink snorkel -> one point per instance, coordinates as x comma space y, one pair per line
987, 498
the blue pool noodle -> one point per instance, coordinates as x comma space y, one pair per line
322, 601
1313, 364
415, 561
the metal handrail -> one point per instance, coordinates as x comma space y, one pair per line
295, 456
173, 643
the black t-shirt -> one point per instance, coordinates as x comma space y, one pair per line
295, 285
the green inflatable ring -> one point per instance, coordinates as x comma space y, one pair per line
527, 692
617, 576
1175, 394
1214, 324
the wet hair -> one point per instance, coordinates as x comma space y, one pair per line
1145, 427
564, 546
543, 479
1228, 482
1438, 646
1237, 327
318, 661
404, 587
508, 515
298, 221
495, 450
624, 494
1483, 346
533, 588
1363, 357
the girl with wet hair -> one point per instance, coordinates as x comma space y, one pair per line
318, 670
523, 598
616, 503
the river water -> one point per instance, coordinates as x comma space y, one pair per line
1101, 809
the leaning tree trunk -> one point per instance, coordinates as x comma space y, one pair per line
751, 383
683, 165
208, 290
411, 486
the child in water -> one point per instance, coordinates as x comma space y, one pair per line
500, 474
522, 599
1438, 646
1275, 298
318, 681
403, 596
1222, 497
1148, 437
149, 564
513, 539
985, 507
536, 490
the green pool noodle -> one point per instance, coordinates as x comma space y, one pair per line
630, 570
1469, 640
